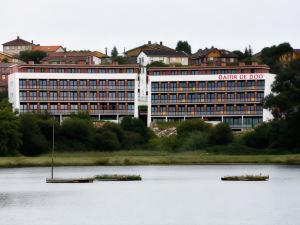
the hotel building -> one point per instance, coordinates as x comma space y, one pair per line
107, 92
230, 94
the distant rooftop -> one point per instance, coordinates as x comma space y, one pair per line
18, 42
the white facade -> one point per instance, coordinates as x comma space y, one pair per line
267, 77
14, 89
144, 59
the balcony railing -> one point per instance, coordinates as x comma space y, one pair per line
69, 99
220, 113
199, 89
187, 101
75, 111
77, 88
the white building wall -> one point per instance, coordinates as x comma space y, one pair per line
13, 83
269, 79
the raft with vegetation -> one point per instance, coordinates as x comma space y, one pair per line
246, 178
115, 177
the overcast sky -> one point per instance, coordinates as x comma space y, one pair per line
96, 24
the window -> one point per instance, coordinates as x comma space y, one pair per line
82, 82
53, 95
121, 95
230, 108
44, 107
231, 84
182, 85
94, 106
91, 71
101, 70
211, 84
192, 85
73, 84
130, 107
32, 95
43, 95
129, 70
183, 72
71, 70
73, 95
201, 84
112, 95
220, 108
154, 86
130, 95
43, 83
200, 108
260, 95
32, 83
195, 72
33, 107
102, 94
93, 95
63, 83
63, 95
74, 107
30, 70
240, 108
83, 107
260, 83
156, 73
83, 94
23, 95
53, 106
173, 86
53, 83
164, 85
22, 83
130, 84
64, 106
174, 72
111, 70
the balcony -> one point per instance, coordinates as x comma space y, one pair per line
207, 89
204, 101
75, 111
194, 113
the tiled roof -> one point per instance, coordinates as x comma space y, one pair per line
168, 53
53, 48
154, 46
5, 54
17, 42
99, 54
224, 53
297, 51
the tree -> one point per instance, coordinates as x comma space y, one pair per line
35, 56
114, 52
271, 55
191, 125
106, 140
4, 60
33, 141
10, 137
135, 125
184, 47
221, 134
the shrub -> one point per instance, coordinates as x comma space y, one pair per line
221, 134
195, 141
135, 125
107, 141
77, 129
192, 125
131, 140
258, 138
33, 141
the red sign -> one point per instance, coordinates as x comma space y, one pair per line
241, 76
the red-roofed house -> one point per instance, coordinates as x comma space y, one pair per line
48, 49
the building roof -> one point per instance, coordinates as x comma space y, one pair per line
100, 54
6, 54
204, 52
45, 48
135, 65
17, 42
297, 51
7, 65
163, 52
149, 46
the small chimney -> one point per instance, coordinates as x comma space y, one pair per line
149, 42
161, 43
105, 51
18, 37
31, 41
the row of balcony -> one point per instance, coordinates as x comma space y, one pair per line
187, 101
75, 111
208, 89
76, 88
193, 113
24, 99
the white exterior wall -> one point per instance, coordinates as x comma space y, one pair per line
144, 60
268, 77
13, 83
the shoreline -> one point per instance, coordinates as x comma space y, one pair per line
146, 158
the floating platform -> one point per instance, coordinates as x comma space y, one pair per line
115, 177
246, 178
70, 180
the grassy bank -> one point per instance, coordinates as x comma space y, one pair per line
144, 158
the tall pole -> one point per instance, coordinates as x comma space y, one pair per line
52, 163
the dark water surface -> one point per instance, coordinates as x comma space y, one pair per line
168, 195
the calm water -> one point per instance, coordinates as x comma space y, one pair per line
167, 195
